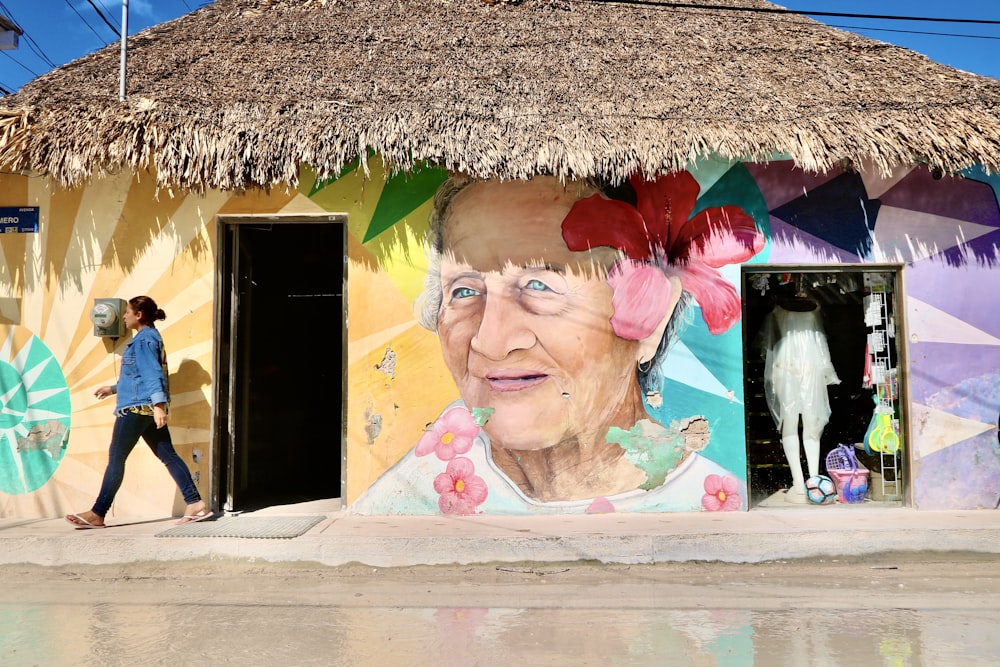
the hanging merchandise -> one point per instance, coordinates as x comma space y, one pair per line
866, 375
856, 307
881, 436
761, 282
873, 308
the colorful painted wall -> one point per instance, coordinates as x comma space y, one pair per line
945, 232
418, 433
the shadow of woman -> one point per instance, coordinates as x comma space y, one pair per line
190, 423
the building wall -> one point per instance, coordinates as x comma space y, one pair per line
945, 232
120, 236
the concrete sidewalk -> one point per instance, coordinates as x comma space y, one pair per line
341, 538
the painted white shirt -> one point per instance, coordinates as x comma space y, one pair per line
408, 488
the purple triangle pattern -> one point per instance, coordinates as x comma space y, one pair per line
814, 220
954, 198
954, 483
781, 182
787, 241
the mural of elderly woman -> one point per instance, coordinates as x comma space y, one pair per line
554, 304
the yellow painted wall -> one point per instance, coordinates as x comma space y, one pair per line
119, 236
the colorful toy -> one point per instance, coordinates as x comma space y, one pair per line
850, 477
820, 490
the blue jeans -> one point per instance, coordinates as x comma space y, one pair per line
128, 429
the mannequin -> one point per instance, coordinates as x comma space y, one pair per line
797, 371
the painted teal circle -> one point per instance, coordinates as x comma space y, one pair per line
35, 412
12, 407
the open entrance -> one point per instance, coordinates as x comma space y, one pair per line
280, 361
821, 359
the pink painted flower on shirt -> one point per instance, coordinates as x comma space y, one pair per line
721, 493
600, 505
461, 489
452, 434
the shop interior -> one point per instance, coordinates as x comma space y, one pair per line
794, 320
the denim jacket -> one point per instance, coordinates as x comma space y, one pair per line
143, 378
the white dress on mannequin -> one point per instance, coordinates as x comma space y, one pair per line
797, 371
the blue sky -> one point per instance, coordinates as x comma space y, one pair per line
967, 46
59, 31
64, 30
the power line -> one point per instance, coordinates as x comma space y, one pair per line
20, 64
104, 18
32, 44
652, 3
117, 23
884, 17
913, 32
86, 22
777, 10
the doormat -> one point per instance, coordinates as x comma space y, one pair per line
253, 527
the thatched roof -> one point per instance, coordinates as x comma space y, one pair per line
241, 92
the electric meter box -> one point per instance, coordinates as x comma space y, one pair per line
107, 316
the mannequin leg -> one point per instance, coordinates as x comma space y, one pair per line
812, 429
790, 443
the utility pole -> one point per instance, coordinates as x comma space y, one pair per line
121, 85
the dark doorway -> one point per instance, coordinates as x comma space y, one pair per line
279, 414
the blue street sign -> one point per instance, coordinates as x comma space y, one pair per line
18, 219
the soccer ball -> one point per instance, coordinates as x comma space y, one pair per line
820, 490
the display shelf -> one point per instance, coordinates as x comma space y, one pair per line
883, 379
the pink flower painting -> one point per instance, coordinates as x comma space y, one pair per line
661, 226
722, 493
600, 505
452, 434
461, 489
640, 290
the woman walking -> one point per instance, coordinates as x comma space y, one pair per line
141, 411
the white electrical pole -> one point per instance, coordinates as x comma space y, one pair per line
121, 85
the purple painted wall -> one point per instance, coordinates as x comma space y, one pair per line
945, 234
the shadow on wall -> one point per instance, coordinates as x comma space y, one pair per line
190, 421
137, 211
10, 311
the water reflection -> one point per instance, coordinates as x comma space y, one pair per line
283, 632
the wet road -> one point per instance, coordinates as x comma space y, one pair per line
890, 610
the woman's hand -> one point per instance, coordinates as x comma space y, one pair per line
104, 392
160, 415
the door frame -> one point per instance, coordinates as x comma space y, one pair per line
901, 345
222, 447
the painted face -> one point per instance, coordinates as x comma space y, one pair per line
525, 322
131, 318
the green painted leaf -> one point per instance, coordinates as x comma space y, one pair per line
402, 195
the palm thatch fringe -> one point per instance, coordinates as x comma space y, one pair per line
241, 93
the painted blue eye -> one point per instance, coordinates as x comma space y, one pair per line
463, 293
537, 285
